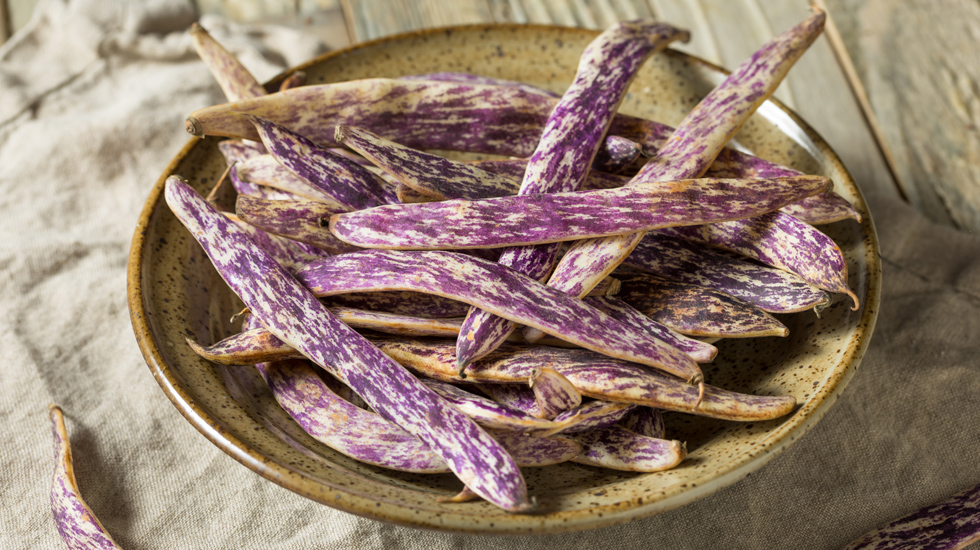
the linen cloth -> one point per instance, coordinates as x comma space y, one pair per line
92, 100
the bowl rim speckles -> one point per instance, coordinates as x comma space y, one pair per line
371, 495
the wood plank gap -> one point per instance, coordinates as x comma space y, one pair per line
859, 93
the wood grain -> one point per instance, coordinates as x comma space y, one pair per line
917, 60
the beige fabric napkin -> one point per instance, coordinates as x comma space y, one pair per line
92, 100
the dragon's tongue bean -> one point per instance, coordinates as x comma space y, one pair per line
348, 183
644, 421
572, 136
237, 151
593, 374
493, 415
297, 220
265, 170
948, 525
515, 396
547, 218
467, 78
294, 316
615, 307
498, 290
553, 392
595, 415
76, 522
694, 310
290, 254
369, 438
779, 240
822, 209
772, 290
235, 80
618, 155
693, 146
245, 187
621, 449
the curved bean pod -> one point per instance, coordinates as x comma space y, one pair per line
499, 290
76, 522
300, 320
553, 392
235, 80
621, 449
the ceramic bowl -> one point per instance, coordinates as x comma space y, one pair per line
175, 293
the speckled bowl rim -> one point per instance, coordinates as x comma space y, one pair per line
777, 441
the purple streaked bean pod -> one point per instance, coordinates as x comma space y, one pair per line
424, 172
290, 254
353, 186
694, 310
772, 290
367, 437
823, 209
595, 375
467, 78
249, 347
595, 415
614, 307
553, 392
294, 316
951, 524
416, 304
554, 217
516, 396
235, 80
569, 143
693, 146
620, 449
244, 187
408, 195
495, 416
391, 323
499, 290
781, 241
76, 522
299, 220
618, 155
644, 421
265, 170
237, 151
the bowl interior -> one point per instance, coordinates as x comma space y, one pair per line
175, 294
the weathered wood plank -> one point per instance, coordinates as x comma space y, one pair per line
917, 60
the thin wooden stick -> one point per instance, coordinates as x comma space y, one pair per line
857, 88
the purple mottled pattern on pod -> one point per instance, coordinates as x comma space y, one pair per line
823, 209
781, 241
621, 449
407, 195
77, 524
362, 435
645, 421
235, 80
499, 290
618, 154
236, 150
249, 347
618, 309
770, 289
292, 255
297, 318
427, 173
353, 186
367, 437
515, 396
693, 146
467, 78
244, 187
393, 323
299, 220
594, 375
493, 415
416, 304
563, 157
695, 310
595, 415
265, 170
554, 217
948, 525
553, 392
